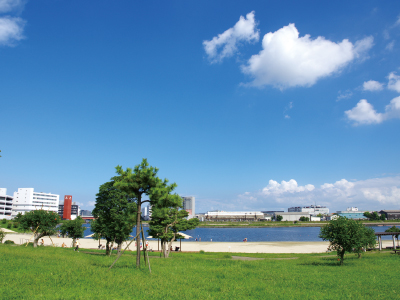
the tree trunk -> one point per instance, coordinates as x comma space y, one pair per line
74, 243
139, 210
36, 238
108, 248
119, 249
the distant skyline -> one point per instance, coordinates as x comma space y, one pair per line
246, 106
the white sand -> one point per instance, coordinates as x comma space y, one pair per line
234, 247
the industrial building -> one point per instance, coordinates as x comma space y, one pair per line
391, 214
352, 213
26, 199
312, 209
5, 204
234, 216
293, 216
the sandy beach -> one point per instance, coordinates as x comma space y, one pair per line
234, 247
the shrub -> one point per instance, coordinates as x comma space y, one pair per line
8, 242
9, 224
4, 221
15, 225
202, 252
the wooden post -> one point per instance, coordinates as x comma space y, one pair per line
180, 245
380, 242
394, 242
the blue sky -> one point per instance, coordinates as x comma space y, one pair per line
246, 106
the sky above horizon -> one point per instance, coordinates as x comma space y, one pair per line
246, 106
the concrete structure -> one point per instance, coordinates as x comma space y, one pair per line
291, 216
5, 204
391, 214
352, 213
66, 215
75, 211
312, 209
26, 199
234, 216
189, 206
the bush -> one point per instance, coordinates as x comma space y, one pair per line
15, 225
202, 252
9, 224
4, 221
8, 242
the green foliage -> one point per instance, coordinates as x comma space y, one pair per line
167, 219
2, 235
4, 221
302, 218
279, 218
347, 235
374, 216
115, 214
40, 222
9, 225
74, 228
393, 229
9, 242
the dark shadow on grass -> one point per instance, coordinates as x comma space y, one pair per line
330, 262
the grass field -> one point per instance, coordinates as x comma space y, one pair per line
56, 273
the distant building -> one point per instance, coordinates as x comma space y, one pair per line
391, 214
5, 204
74, 210
312, 209
351, 213
146, 213
234, 216
292, 216
189, 206
26, 199
86, 213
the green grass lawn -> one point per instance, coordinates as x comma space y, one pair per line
56, 273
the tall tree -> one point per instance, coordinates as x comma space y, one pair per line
137, 182
168, 218
115, 215
40, 222
347, 235
74, 228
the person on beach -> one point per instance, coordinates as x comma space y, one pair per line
77, 245
64, 245
42, 242
245, 240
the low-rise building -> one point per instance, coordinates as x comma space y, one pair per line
26, 199
234, 216
312, 209
391, 214
352, 213
5, 204
292, 216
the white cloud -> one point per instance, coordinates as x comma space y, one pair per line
394, 82
364, 113
288, 60
372, 85
390, 46
370, 194
9, 5
347, 94
91, 203
11, 30
245, 30
290, 186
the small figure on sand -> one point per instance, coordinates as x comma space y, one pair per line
245, 240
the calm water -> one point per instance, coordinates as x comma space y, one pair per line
284, 234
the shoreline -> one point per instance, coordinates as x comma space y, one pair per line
233, 247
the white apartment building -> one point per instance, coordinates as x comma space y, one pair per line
26, 199
5, 204
146, 213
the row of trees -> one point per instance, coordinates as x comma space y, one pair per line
374, 216
119, 203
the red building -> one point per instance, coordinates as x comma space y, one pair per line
67, 207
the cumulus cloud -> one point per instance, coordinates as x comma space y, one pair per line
394, 82
364, 113
11, 30
370, 194
226, 43
372, 85
288, 60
